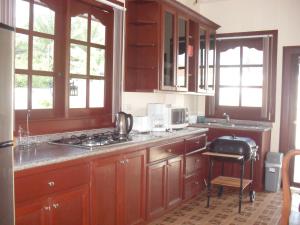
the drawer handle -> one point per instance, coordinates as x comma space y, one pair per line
196, 182
197, 160
47, 208
55, 205
169, 150
51, 184
197, 142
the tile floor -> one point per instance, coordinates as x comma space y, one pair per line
265, 210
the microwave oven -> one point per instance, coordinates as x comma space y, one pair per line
178, 118
164, 117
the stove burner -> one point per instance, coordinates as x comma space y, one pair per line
94, 140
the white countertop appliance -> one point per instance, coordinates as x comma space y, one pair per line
158, 114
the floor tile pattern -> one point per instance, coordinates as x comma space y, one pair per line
224, 210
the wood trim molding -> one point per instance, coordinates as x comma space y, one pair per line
288, 87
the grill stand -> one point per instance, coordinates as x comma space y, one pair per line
240, 183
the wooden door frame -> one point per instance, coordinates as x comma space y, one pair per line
289, 89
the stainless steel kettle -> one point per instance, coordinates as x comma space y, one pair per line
123, 124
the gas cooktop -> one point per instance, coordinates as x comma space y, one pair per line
92, 141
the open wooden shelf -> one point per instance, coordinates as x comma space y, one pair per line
142, 45
214, 154
230, 181
143, 22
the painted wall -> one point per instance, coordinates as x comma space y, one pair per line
254, 15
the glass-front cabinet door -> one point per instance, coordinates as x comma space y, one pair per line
168, 73
202, 58
211, 70
182, 67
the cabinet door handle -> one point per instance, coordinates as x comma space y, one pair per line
197, 160
51, 184
126, 160
169, 150
55, 205
122, 161
196, 182
47, 208
197, 142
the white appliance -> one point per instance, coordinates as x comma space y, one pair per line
178, 118
6, 112
141, 124
158, 114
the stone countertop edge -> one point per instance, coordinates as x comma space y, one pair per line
244, 127
83, 153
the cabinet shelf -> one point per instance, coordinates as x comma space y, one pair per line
142, 45
143, 1
143, 22
142, 67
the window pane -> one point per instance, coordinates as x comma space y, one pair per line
252, 97
97, 62
79, 101
22, 14
229, 96
42, 92
21, 91
96, 93
42, 58
43, 19
98, 32
230, 57
252, 56
21, 51
210, 76
78, 59
230, 76
252, 76
79, 27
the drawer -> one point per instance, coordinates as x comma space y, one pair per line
194, 185
165, 151
196, 143
37, 185
194, 163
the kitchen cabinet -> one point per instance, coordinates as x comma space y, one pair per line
55, 201
118, 189
261, 138
175, 42
195, 168
70, 208
164, 186
164, 177
162, 48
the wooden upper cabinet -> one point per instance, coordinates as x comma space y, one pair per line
174, 75
163, 45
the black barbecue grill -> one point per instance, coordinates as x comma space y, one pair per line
235, 149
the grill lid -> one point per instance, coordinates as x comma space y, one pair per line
234, 145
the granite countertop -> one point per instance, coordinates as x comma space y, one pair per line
233, 126
44, 154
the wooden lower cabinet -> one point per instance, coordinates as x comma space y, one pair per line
68, 208
118, 190
174, 181
164, 186
33, 213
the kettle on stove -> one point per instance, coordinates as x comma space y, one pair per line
123, 123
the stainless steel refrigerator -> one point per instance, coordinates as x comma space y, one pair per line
6, 123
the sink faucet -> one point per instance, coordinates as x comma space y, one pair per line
227, 117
